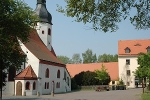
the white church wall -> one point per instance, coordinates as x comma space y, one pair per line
31, 59
123, 69
47, 39
52, 77
31, 91
67, 81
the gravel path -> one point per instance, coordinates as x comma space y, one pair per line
131, 94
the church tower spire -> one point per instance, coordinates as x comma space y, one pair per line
44, 24
42, 12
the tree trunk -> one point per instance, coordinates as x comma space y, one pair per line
143, 84
149, 86
1, 79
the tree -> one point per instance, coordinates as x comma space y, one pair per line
86, 78
143, 71
108, 58
16, 20
106, 14
103, 75
64, 59
73, 84
115, 58
89, 57
76, 59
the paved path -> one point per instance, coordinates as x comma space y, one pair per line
131, 94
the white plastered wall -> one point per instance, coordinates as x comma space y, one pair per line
31, 59
123, 67
45, 37
52, 77
28, 92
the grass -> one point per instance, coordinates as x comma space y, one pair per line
146, 95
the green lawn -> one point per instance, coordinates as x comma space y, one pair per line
146, 95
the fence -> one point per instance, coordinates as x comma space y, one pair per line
110, 87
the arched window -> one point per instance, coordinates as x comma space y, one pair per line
49, 31
65, 76
47, 73
58, 74
27, 85
34, 85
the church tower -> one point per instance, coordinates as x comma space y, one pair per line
44, 24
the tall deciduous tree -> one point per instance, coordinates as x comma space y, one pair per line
143, 71
16, 20
64, 59
76, 58
102, 75
108, 58
106, 14
89, 57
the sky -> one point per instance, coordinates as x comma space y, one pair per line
70, 37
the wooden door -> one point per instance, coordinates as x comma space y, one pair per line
19, 89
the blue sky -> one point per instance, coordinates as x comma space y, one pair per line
70, 37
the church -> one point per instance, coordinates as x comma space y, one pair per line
42, 73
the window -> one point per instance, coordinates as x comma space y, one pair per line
128, 72
127, 61
34, 85
35, 24
47, 73
148, 49
128, 83
127, 50
65, 76
58, 74
113, 82
68, 80
42, 31
58, 85
49, 31
27, 85
47, 85
11, 73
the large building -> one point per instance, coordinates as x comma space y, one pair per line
128, 51
43, 73
112, 69
124, 69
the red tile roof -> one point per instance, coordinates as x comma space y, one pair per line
26, 74
135, 46
38, 48
112, 68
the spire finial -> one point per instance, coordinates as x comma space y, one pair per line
41, 1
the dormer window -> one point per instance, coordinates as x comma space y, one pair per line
148, 49
127, 50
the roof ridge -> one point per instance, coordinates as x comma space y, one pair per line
27, 70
